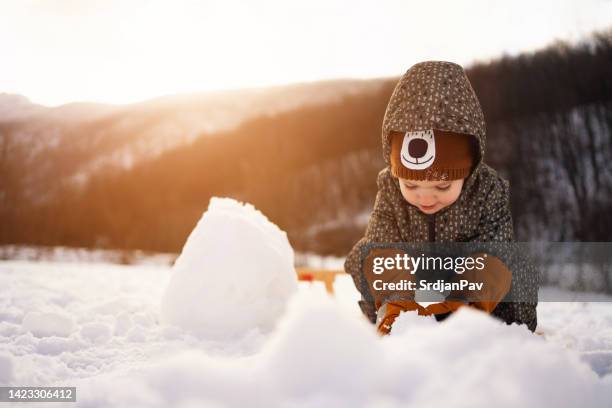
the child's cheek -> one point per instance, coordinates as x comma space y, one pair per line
449, 197
410, 197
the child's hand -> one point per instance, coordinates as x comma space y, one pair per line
444, 307
389, 311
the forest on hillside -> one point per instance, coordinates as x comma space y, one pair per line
312, 170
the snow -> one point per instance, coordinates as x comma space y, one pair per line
235, 274
47, 324
321, 351
96, 332
6, 368
80, 255
114, 342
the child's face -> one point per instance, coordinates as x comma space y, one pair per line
431, 196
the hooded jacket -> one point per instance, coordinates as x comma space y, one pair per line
438, 95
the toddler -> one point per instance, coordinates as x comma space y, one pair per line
437, 188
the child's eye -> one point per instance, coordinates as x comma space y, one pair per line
410, 187
443, 188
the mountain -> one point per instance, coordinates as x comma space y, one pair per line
66, 145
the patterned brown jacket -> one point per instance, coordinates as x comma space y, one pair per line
438, 95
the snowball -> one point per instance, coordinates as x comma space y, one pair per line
235, 274
48, 324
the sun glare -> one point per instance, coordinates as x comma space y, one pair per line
116, 51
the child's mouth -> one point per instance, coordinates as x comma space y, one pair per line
427, 207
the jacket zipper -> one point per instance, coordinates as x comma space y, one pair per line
432, 228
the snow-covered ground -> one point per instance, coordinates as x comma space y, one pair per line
84, 255
119, 334
97, 326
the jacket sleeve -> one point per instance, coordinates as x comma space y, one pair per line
496, 225
382, 227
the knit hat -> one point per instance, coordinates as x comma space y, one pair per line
432, 154
435, 97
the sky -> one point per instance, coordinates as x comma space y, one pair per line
124, 51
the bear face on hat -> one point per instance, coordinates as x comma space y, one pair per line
418, 149
432, 154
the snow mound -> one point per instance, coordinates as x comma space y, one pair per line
320, 354
471, 348
320, 346
235, 274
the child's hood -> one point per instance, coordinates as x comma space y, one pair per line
435, 95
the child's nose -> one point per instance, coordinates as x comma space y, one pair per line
426, 198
